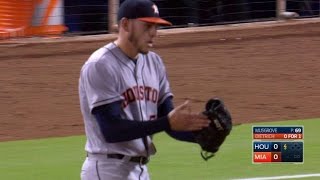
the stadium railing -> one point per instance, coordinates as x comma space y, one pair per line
29, 18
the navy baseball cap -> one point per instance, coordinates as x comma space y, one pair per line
143, 10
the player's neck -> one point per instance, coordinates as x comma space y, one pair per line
127, 49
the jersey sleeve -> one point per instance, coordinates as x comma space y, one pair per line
164, 89
100, 84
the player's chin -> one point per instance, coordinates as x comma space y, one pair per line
144, 50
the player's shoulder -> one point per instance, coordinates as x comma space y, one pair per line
102, 54
101, 58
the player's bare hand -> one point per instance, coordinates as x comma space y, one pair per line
181, 119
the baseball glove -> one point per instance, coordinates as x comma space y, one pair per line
211, 138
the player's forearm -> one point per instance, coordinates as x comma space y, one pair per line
115, 129
119, 130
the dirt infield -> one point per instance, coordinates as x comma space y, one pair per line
263, 74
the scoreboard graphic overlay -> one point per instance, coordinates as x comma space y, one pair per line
276, 144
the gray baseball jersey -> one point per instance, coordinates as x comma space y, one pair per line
109, 76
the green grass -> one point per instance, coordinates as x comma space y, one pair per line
54, 158
61, 158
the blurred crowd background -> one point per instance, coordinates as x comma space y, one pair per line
92, 16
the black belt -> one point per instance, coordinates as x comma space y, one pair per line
137, 159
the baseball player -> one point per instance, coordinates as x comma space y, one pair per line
125, 98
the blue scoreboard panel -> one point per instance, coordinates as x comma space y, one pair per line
276, 144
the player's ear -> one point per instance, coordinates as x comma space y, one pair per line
124, 24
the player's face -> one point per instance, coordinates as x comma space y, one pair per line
141, 35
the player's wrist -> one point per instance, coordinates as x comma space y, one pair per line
166, 123
169, 122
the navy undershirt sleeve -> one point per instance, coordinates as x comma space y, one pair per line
115, 129
163, 110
